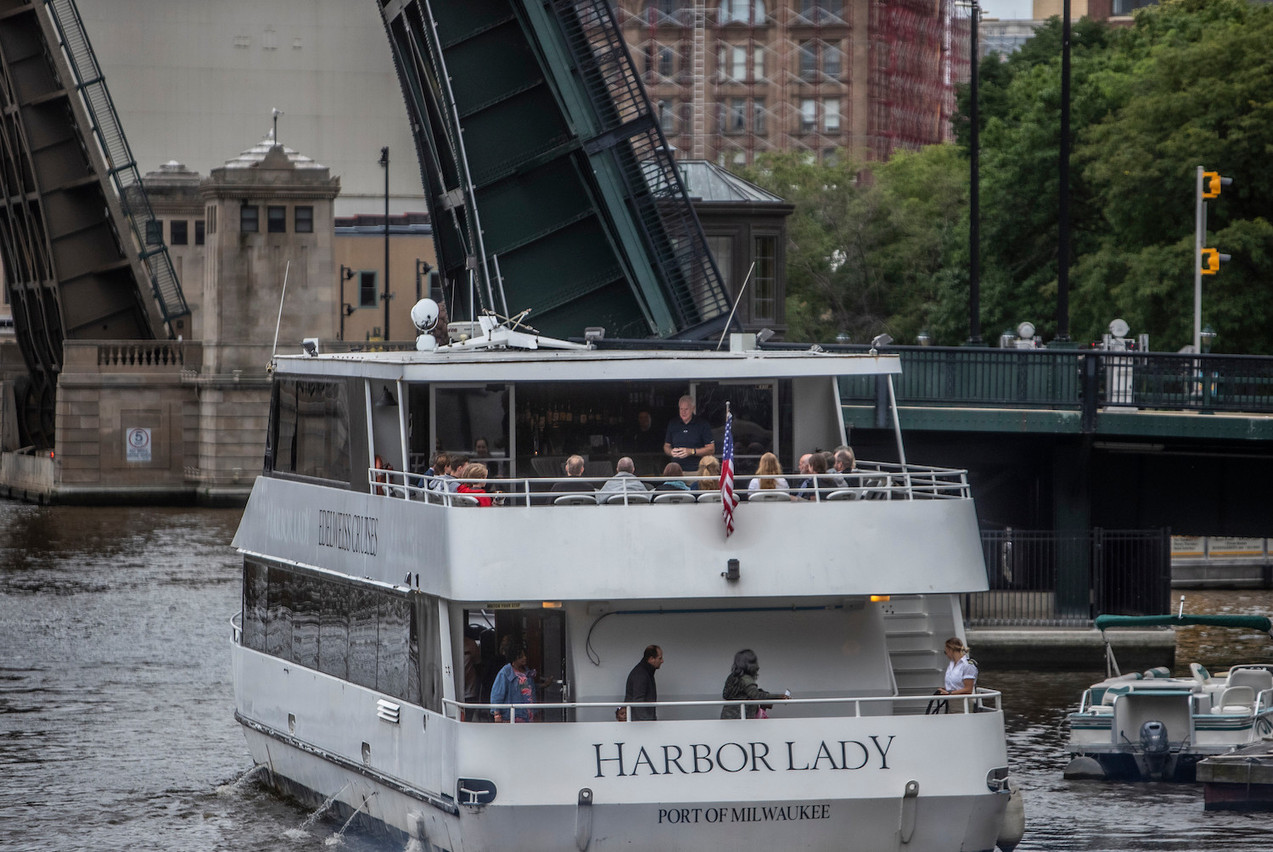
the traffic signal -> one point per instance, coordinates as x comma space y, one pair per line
1211, 259
1211, 184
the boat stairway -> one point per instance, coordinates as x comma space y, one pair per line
912, 647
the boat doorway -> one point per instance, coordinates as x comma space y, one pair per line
542, 631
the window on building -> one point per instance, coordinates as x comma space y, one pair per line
304, 218
667, 116
832, 60
831, 115
737, 116
211, 213
821, 11
667, 61
758, 63
154, 232
198, 232
807, 51
179, 234
758, 116
722, 249
276, 217
763, 294
249, 219
366, 289
742, 12
808, 115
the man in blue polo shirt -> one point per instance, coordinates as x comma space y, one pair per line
689, 437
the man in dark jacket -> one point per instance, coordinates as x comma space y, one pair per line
641, 684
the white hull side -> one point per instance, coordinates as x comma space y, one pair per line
826, 824
309, 728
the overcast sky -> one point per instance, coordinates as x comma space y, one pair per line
1006, 9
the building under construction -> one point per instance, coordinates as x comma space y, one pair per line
734, 78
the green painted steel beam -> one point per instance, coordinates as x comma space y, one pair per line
1126, 423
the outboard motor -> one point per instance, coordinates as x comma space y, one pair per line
1154, 745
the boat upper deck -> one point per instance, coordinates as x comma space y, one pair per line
459, 364
889, 532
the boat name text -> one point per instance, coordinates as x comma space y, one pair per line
701, 758
749, 813
343, 531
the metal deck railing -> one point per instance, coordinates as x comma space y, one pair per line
122, 168
981, 701
870, 481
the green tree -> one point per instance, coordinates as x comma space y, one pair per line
869, 247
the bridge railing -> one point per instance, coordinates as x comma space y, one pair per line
1049, 578
1081, 380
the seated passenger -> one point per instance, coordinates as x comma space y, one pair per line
446, 467
811, 488
674, 482
708, 473
574, 469
845, 464
475, 471
623, 481
768, 475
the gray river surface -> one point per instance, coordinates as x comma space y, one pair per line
117, 726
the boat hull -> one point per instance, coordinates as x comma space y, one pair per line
935, 822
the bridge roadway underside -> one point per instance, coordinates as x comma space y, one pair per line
1201, 474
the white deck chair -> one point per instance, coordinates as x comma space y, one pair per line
674, 497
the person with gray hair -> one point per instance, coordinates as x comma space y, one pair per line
623, 481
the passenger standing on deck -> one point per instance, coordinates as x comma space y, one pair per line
641, 686
514, 685
741, 686
688, 438
961, 672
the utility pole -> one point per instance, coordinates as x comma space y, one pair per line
1207, 185
974, 193
1063, 211
387, 295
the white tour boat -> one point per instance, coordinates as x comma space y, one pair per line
1152, 726
376, 609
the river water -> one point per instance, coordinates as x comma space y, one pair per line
117, 723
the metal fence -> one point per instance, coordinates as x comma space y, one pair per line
1045, 578
1071, 379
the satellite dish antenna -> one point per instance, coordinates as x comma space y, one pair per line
424, 315
1119, 328
1025, 331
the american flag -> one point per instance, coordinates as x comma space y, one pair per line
728, 498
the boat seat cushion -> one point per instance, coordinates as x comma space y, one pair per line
1234, 699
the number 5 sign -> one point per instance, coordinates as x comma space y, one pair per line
137, 445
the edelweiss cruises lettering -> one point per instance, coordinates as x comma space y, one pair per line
701, 758
343, 531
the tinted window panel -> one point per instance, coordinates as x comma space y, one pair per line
333, 631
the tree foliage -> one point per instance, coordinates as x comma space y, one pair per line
883, 246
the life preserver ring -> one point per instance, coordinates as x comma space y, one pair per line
381, 490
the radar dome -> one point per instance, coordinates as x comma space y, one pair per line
424, 314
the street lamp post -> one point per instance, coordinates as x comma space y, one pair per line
386, 295
345, 308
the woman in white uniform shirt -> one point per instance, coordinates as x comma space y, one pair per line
961, 674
